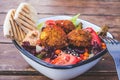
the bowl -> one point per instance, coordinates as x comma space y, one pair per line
62, 72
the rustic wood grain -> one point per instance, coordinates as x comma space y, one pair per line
44, 7
99, 12
76, 3
9, 56
2, 38
73, 10
23, 78
112, 77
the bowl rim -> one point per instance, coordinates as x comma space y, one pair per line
43, 63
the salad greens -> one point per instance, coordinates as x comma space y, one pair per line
40, 25
74, 19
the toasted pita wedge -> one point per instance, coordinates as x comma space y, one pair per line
11, 29
7, 25
26, 17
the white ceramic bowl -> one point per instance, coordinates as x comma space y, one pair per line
61, 72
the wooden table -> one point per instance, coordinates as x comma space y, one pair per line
100, 12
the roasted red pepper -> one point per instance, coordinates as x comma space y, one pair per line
50, 22
65, 59
95, 37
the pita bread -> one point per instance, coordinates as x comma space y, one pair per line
11, 29
26, 17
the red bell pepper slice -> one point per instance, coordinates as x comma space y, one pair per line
65, 59
95, 37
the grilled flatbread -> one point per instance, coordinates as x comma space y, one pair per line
26, 17
11, 29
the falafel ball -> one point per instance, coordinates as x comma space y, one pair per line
53, 36
79, 37
66, 25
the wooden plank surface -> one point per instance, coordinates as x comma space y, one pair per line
62, 3
64, 7
73, 10
99, 12
113, 77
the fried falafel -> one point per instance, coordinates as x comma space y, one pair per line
66, 25
53, 36
79, 37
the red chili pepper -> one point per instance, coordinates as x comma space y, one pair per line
95, 37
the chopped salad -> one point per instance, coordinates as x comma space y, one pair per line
63, 42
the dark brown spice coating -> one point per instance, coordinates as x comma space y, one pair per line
66, 25
79, 37
53, 36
